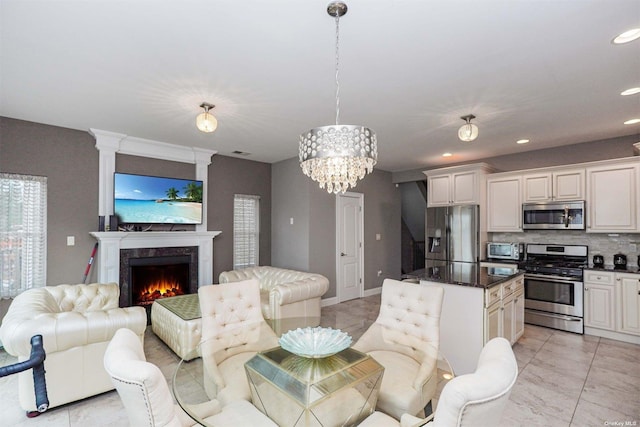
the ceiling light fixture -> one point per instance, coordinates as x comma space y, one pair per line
522, 141
447, 155
205, 121
632, 122
631, 91
337, 156
468, 132
627, 36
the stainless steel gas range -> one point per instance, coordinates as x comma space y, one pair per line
553, 286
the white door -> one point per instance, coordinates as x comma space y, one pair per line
349, 231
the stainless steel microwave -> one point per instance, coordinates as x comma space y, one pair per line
514, 251
553, 215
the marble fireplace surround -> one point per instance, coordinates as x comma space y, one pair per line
111, 242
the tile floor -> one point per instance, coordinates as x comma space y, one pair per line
565, 379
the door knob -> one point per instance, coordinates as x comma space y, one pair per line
343, 254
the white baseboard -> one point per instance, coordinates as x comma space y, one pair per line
374, 291
334, 300
328, 301
633, 339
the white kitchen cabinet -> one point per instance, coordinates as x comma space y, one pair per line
504, 204
557, 185
612, 305
471, 316
459, 185
599, 300
504, 313
494, 319
628, 287
612, 197
518, 306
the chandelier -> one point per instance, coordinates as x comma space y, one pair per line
337, 156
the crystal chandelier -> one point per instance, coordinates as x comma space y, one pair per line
337, 156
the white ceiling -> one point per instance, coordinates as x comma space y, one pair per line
539, 69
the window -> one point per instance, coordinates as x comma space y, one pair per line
23, 233
246, 230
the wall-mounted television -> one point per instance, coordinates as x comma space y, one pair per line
144, 199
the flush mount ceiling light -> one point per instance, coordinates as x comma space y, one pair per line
468, 132
205, 121
632, 122
627, 36
337, 156
631, 91
522, 141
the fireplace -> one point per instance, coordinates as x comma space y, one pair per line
153, 278
147, 274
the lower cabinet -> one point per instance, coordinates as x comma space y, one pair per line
472, 316
628, 287
504, 317
612, 305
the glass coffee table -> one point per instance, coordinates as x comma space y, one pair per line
339, 390
294, 391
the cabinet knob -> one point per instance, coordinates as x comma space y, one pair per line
586, 289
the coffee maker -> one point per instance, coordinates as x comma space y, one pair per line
619, 262
598, 261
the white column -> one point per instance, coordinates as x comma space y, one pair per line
108, 144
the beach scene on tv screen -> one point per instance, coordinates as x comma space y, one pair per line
157, 200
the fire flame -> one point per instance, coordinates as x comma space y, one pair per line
159, 289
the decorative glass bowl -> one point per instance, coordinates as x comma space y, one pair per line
316, 342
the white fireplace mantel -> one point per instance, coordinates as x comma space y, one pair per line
110, 243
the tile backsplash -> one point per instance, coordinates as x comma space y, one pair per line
599, 244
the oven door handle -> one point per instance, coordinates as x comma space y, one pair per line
547, 278
558, 316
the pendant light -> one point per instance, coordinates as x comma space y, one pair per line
337, 156
206, 122
468, 132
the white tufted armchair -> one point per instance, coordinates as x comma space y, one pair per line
477, 399
146, 398
405, 339
233, 331
76, 323
284, 293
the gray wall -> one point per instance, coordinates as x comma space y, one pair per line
229, 176
70, 161
577, 153
290, 200
309, 244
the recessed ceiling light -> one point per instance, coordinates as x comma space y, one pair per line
631, 91
522, 141
632, 122
447, 155
627, 36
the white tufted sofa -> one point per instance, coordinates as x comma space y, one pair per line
284, 293
76, 323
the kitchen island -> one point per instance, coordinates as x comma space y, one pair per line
480, 303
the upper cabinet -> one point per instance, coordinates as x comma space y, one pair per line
504, 203
457, 185
558, 185
612, 197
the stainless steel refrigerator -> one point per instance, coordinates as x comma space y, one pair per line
452, 234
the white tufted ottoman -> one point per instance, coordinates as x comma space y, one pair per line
177, 322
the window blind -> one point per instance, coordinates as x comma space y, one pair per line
23, 233
246, 230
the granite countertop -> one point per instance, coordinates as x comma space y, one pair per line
462, 273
